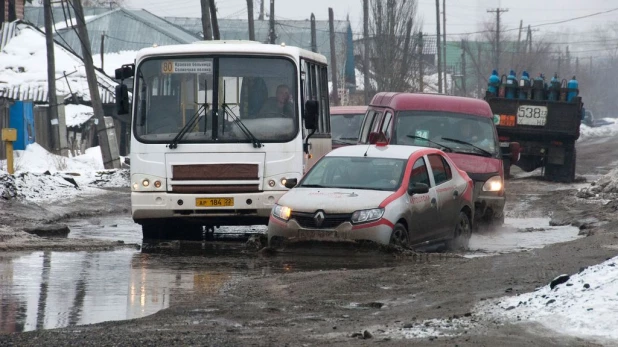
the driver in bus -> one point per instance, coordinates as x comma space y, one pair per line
280, 105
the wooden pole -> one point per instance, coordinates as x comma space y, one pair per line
261, 15
272, 37
366, 50
421, 72
52, 110
314, 44
215, 23
206, 23
333, 56
444, 42
109, 149
438, 46
102, 53
250, 17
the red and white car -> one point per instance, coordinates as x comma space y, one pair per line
387, 194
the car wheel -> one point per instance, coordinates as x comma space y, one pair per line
399, 236
461, 237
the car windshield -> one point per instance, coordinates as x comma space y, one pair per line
251, 93
356, 173
439, 127
346, 127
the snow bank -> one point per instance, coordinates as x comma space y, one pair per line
587, 132
585, 306
605, 187
43, 176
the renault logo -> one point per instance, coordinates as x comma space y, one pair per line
319, 218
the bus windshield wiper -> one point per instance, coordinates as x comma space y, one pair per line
442, 147
486, 153
228, 111
190, 124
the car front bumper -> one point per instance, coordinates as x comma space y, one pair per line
379, 232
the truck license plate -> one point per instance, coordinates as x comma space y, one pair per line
532, 115
214, 202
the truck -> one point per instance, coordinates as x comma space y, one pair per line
545, 130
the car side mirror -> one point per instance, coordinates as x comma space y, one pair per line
291, 183
312, 108
515, 148
122, 99
417, 188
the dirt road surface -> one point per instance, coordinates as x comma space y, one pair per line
426, 300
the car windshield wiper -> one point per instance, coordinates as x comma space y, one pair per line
442, 147
190, 124
486, 153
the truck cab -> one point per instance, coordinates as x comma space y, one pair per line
461, 127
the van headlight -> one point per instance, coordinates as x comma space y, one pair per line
493, 184
364, 216
282, 212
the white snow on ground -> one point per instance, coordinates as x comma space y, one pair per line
585, 306
587, 132
604, 188
41, 176
519, 234
76, 115
112, 61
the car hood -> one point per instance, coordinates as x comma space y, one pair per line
332, 200
476, 164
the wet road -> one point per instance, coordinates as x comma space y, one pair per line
46, 290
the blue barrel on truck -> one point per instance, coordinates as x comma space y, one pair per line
21, 117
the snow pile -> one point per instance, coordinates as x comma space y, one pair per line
76, 115
586, 305
586, 132
434, 328
43, 176
605, 187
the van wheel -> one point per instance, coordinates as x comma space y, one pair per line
399, 236
462, 233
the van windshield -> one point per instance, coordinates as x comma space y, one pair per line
346, 127
444, 127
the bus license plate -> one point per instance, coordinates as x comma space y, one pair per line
214, 202
532, 115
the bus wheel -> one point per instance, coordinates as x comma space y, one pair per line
191, 232
157, 230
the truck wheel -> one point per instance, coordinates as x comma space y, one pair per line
564, 173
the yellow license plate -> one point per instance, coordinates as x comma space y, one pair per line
214, 202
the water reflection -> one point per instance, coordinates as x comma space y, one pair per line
46, 290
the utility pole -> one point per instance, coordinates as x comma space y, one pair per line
52, 110
109, 148
568, 60
314, 44
261, 15
577, 66
421, 73
272, 37
251, 24
366, 49
206, 23
333, 56
444, 41
215, 22
498, 11
521, 23
406, 49
463, 68
438, 46
102, 50
529, 39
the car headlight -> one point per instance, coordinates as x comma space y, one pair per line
282, 212
364, 216
493, 184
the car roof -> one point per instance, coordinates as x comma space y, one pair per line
432, 102
335, 110
373, 151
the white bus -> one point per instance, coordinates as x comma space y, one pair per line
219, 129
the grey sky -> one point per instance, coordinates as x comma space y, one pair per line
462, 15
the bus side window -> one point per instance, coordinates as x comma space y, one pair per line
315, 87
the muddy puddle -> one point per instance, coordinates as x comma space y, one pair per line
46, 290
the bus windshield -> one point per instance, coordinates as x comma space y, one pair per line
255, 97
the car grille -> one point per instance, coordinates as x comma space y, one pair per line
331, 221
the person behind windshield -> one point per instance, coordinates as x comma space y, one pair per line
280, 105
468, 134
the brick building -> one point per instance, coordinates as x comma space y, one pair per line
11, 10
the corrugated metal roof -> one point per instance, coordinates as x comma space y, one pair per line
37, 90
7, 31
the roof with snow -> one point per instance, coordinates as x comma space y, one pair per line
23, 68
122, 29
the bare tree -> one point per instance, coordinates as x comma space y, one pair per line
104, 3
393, 56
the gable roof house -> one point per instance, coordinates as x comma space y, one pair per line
23, 77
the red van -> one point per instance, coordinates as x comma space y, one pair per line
345, 124
462, 127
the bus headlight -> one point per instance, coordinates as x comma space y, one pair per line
493, 184
147, 183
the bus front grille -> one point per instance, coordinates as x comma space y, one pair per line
216, 189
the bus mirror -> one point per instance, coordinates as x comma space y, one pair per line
291, 183
311, 114
122, 99
126, 71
